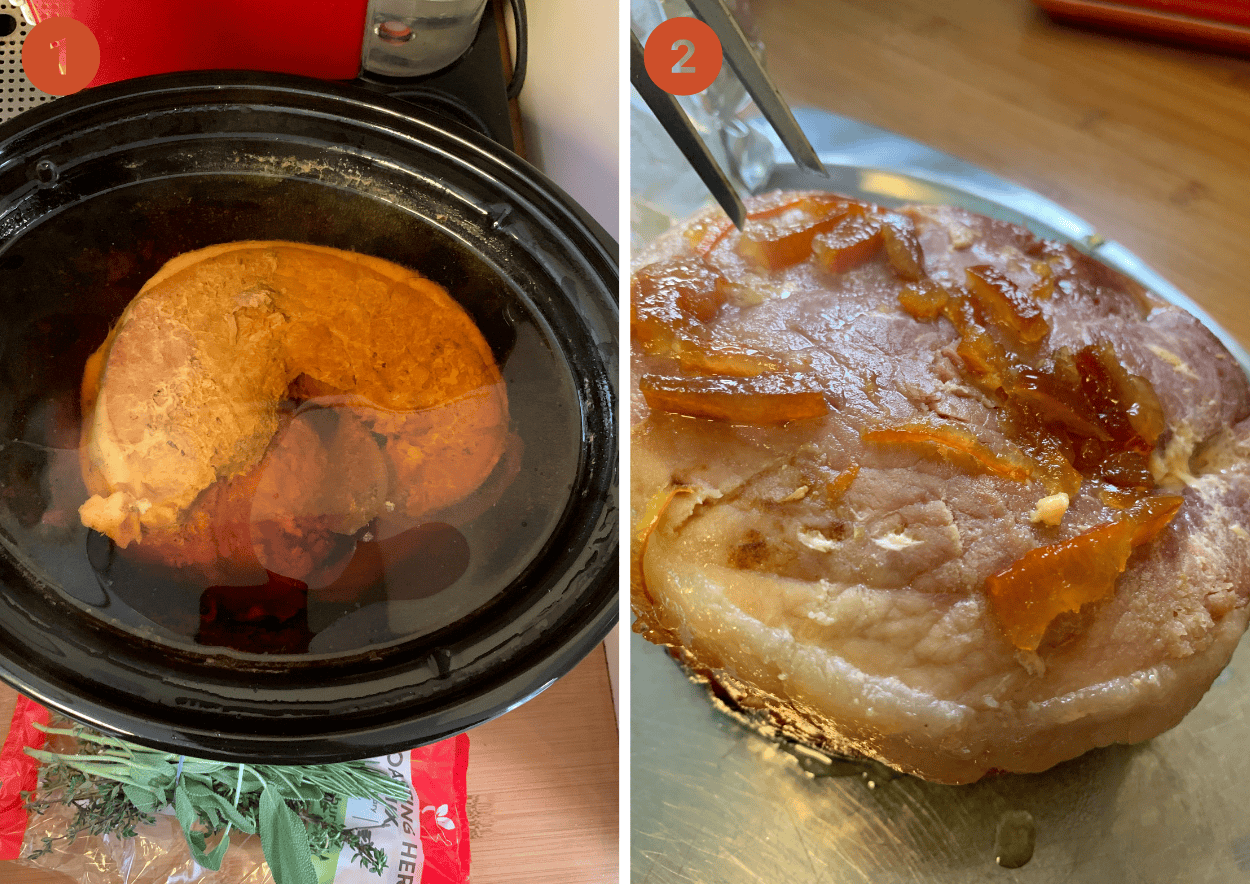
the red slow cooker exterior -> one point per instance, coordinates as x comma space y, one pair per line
316, 38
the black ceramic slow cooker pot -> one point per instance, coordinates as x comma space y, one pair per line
97, 191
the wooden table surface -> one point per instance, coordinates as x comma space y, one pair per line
1150, 143
542, 788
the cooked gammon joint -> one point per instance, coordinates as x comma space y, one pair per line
917, 485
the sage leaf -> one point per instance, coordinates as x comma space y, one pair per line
143, 799
213, 860
307, 792
206, 797
184, 810
284, 839
199, 766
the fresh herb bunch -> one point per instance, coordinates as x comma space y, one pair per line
114, 786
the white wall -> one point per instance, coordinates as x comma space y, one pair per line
570, 103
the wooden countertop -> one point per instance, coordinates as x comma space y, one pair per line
1150, 143
542, 787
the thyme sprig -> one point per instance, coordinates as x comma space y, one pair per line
114, 786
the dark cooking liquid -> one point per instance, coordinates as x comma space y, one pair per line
414, 583
418, 583
283, 614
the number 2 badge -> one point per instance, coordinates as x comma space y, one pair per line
683, 56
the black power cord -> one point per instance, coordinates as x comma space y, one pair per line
518, 65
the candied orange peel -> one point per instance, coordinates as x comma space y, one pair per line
1063, 577
902, 247
763, 399
956, 445
837, 489
782, 236
670, 300
849, 244
1013, 311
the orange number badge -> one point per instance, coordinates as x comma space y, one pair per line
683, 56
60, 56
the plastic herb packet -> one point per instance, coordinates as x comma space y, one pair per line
422, 839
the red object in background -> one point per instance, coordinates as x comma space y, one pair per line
318, 38
1210, 24
439, 773
19, 772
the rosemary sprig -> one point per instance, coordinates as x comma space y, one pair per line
115, 786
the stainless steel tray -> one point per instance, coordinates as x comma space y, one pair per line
713, 803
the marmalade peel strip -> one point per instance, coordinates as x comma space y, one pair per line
1061, 578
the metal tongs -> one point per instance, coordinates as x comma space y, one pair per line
746, 65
